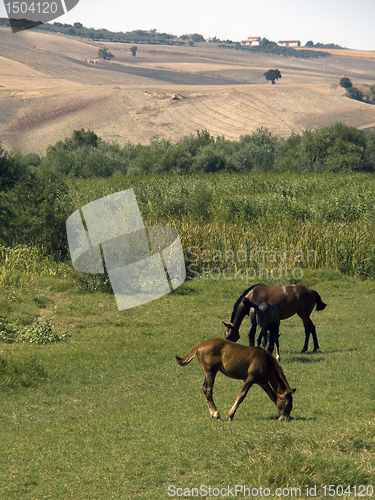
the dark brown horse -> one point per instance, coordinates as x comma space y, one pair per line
251, 364
289, 300
267, 317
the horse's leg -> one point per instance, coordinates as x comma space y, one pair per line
313, 333
274, 342
306, 324
271, 393
309, 328
207, 389
244, 390
270, 341
251, 334
262, 336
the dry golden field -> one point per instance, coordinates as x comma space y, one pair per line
50, 86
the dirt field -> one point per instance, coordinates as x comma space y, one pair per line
50, 86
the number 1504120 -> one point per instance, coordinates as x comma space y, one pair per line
31, 7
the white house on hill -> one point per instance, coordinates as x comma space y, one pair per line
251, 41
289, 43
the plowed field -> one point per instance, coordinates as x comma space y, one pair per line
51, 85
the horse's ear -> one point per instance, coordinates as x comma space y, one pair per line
293, 391
227, 325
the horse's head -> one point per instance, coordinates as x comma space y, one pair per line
285, 403
231, 332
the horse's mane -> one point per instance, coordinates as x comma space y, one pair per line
278, 369
238, 302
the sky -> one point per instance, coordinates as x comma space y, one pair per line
344, 22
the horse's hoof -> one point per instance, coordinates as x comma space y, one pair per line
216, 415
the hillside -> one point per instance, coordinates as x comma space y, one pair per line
49, 87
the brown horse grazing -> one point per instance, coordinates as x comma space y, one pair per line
251, 364
289, 300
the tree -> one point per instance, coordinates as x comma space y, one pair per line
272, 75
346, 82
104, 54
133, 50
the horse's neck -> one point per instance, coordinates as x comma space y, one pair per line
239, 315
279, 385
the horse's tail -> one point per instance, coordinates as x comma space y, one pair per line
248, 303
320, 305
188, 356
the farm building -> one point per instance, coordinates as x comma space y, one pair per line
251, 41
289, 43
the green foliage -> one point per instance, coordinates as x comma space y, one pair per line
36, 201
133, 50
37, 208
336, 148
333, 148
21, 264
8, 332
42, 332
355, 93
104, 54
33, 202
135, 36
311, 44
330, 214
196, 37
346, 82
11, 170
272, 75
268, 47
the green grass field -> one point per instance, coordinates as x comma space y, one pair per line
108, 414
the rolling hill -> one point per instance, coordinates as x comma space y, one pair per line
52, 84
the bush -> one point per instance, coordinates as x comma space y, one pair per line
355, 93
40, 333
346, 82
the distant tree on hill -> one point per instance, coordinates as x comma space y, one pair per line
104, 54
133, 50
346, 82
272, 75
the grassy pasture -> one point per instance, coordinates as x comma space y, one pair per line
109, 414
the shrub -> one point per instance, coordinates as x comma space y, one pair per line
41, 332
355, 93
345, 82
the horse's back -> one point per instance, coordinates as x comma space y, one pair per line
288, 299
240, 361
